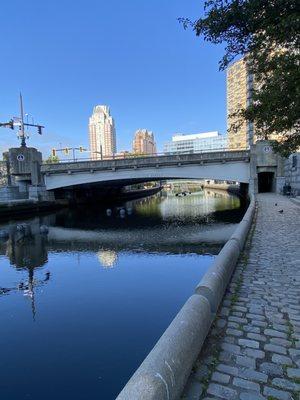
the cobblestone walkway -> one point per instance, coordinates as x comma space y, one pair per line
253, 349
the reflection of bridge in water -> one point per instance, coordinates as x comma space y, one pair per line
27, 249
86, 230
79, 229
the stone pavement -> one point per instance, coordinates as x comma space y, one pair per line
253, 349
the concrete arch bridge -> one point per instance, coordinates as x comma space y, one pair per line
225, 165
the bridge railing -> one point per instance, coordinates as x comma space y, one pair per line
130, 156
153, 161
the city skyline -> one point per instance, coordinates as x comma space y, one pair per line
102, 137
154, 73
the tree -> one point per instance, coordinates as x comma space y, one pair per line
52, 160
267, 34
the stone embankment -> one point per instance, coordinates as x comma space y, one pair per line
253, 349
15, 208
164, 372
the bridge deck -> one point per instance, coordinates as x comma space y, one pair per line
148, 161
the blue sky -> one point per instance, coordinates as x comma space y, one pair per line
67, 56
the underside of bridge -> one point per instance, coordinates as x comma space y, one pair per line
104, 191
114, 190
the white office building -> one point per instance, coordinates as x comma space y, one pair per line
195, 143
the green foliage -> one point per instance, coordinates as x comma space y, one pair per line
52, 160
267, 34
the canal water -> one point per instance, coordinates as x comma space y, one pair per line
83, 304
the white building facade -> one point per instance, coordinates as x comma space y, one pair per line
195, 143
102, 133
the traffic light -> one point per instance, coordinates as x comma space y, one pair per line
81, 149
39, 129
66, 151
53, 152
11, 124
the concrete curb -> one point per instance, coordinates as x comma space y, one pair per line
214, 282
165, 370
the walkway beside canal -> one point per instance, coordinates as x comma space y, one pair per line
253, 349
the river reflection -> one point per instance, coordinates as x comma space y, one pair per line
82, 303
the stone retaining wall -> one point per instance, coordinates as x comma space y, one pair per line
3, 173
164, 372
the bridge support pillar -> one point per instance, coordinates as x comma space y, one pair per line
23, 179
253, 185
266, 168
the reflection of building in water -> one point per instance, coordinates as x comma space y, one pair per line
27, 252
107, 258
26, 249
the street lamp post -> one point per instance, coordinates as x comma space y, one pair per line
19, 121
22, 134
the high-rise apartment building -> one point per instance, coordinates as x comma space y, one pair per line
143, 142
102, 133
239, 85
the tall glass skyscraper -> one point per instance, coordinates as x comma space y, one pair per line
102, 133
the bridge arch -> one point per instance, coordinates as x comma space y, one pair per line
231, 166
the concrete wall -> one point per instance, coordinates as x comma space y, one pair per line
292, 172
24, 162
263, 159
11, 193
231, 188
3, 173
20, 176
164, 372
8, 190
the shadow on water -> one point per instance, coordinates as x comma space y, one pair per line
84, 301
